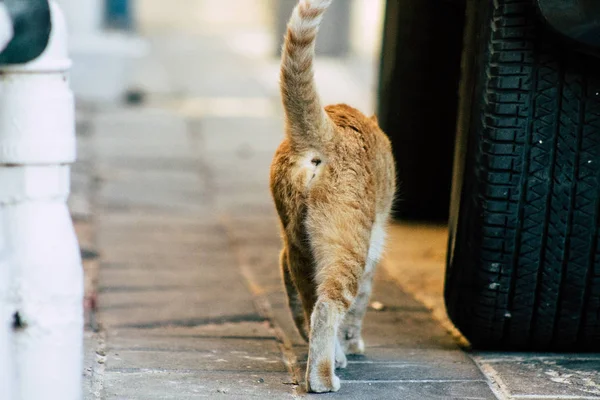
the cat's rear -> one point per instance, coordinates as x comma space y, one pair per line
332, 181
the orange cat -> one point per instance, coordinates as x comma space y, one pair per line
333, 183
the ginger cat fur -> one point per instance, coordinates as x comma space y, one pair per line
333, 183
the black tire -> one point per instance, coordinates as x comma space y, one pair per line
524, 255
413, 86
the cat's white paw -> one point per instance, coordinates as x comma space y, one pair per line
332, 384
322, 379
341, 361
340, 357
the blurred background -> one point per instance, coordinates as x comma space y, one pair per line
120, 45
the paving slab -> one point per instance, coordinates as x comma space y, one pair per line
189, 61
174, 261
163, 385
173, 306
139, 162
241, 136
140, 134
411, 390
188, 236
422, 368
224, 355
543, 376
89, 362
201, 278
230, 360
227, 330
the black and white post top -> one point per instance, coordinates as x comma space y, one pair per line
31, 27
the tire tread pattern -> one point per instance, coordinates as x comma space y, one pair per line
531, 193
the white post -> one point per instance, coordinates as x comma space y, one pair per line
41, 282
7, 373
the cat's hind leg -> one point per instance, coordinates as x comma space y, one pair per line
350, 334
294, 301
351, 330
340, 256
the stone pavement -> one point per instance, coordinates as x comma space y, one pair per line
189, 298
185, 299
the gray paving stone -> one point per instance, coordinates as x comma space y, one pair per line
413, 390
185, 64
141, 133
201, 277
206, 355
163, 242
251, 202
242, 136
169, 232
133, 180
174, 306
281, 314
187, 197
427, 355
89, 363
172, 257
169, 255
147, 250
257, 229
180, 223
139, 162
176, 335
409, 329
122, 260
389, 364
531, 376
163, 385
369, 370
227, 347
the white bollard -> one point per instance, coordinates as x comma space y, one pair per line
7, 375
41, 282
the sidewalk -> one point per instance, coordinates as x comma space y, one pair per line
173, 198
190, 302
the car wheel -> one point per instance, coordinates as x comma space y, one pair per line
524, 253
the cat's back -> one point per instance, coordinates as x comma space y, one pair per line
361, 146
363, 157
357, 133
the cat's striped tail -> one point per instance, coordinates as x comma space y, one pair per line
307, 123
